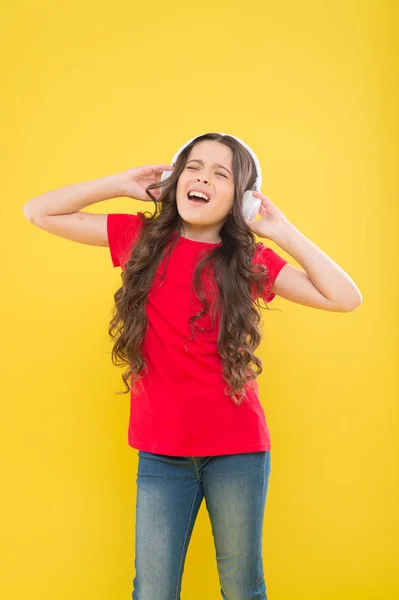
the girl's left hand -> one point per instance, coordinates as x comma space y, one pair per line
270, 218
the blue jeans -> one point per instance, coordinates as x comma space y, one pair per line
170, 490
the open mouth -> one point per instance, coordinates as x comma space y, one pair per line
196, 201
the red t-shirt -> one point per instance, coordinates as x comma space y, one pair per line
181, 408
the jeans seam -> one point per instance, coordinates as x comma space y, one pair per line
184, 543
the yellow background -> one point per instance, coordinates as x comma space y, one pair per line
93, 88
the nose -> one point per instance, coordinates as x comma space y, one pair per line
205, 180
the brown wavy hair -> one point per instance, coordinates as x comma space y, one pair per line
235, 275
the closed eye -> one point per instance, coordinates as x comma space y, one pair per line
217, 173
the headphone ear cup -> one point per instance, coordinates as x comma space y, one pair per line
165, 175
250, 206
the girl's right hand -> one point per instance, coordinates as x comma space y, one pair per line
135, 180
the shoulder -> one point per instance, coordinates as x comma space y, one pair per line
122, 231
124, 223
266, 256
271, 259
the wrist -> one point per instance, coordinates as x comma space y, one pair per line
283, 231
115, 184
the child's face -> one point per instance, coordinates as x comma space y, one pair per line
209, 177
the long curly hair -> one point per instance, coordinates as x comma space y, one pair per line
239, 283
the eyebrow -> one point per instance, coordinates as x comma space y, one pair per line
215, 164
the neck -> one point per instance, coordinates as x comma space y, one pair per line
200, 235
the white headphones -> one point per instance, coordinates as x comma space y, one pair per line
250, 204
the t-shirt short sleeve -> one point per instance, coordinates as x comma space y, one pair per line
273, 262
122, 231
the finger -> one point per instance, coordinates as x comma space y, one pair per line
158, 168
260, 195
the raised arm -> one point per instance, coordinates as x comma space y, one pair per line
59, 211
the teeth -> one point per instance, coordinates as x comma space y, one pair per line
198, 194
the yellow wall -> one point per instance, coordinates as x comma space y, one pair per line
93, 88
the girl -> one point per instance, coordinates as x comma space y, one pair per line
186, 323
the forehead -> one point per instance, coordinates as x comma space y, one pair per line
212, 151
